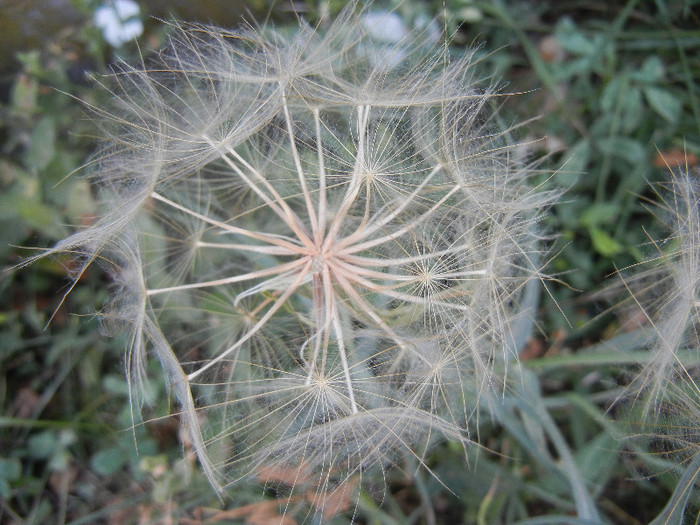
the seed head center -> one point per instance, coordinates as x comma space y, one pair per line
318, 263
321, 258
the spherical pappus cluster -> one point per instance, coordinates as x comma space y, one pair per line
331, 255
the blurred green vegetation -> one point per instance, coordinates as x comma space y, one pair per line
615, 87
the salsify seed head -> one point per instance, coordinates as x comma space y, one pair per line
664, 293
330, 254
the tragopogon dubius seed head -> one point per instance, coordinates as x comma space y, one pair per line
328, 253
665, 393
666, 293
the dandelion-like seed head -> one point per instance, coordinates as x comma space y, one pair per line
328, 255
666, 292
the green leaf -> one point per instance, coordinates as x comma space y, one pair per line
10, 469
663, 102
623, 98
116, 385
24, 95
575, 165
573, 40
599, 214
674, 510
632, 110
108, 461
598, 459
31, 60
651, 72
37, 215
43, 445
81, 202
569, 212
42, 147
623, 147
603, 243
5, 489
613, 92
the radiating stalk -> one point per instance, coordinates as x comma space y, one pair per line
300, 172
376, 225
354, 186
276, 306
270, 239
365, 308
228, 280
401, 231
340, 338
322, 197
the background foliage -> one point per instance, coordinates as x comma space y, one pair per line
615, 86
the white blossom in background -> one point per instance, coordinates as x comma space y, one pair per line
387, 45
119, 21
384, 26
